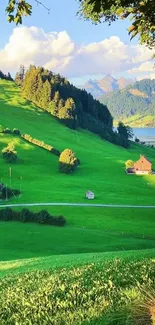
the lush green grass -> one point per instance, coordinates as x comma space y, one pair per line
88, 229
23, 265
102, 164
104, 293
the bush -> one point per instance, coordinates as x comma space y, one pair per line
67, 161
7, 192
26, 215
16, 132
129, 164
60, 221
7, 131
137, 140
7, 214
43, 216
9, 153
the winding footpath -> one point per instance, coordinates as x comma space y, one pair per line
77, 205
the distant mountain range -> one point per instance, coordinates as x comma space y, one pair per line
97, 88
135, 105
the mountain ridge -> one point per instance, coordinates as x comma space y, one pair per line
134, 104
97, 88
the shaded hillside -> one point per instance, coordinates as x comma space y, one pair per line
73, 107
138, 99
107, 84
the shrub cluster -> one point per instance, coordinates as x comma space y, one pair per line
25, 215
9, 131
7, 192
41, 144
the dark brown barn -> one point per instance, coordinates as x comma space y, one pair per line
143, 166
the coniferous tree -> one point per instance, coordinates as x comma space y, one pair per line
74, 107
45, 95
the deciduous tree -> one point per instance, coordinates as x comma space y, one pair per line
67, 161
9, 153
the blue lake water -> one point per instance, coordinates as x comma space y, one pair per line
145, 134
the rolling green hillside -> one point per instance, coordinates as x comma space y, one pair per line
134, 105
102, 163
49, 272
101, 170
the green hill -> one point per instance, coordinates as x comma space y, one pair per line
96, 246
101, 170
134, 105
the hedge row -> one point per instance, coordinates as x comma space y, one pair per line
25, 215
28, 138
8, 131
41, 144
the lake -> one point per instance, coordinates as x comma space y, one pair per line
145, 134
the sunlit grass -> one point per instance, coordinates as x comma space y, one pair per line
101, 170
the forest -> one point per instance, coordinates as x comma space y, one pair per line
138, 98
72, 106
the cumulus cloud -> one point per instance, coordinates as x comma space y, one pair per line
147, 66
57, 52
149, 76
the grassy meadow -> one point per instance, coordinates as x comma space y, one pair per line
102, 163
102, 170
91, 270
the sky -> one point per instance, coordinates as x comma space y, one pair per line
64, 43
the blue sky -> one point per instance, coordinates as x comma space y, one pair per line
63, 17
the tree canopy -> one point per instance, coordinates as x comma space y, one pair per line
141, 13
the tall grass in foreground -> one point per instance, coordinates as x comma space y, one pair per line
104, 293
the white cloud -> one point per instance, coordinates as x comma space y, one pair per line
147, 66
150, 76
56, 51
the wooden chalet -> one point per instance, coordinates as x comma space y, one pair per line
143, 166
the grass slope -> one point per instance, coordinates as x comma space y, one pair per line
102, 163
102, 170
108, 292
68, 261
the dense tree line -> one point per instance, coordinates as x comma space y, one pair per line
136, 99
72, 106
57, 96
5, 77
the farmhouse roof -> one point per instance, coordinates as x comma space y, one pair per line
142, 156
